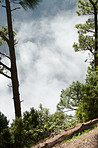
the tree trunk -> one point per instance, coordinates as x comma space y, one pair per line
96, 37
14, 76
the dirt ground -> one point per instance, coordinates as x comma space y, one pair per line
87, 140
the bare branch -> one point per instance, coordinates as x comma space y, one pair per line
5, 66
4, 55
15, 9
9, 86
70, 110
5, 75
21, 101
16, 2
3, 6
91, 51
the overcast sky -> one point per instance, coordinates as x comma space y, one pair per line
46, 60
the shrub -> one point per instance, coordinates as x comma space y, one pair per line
5, 135
88, 106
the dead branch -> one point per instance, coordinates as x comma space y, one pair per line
5, 75
15, 9
5, 66
4, 55
3, 6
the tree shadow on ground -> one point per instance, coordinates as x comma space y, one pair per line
82, 128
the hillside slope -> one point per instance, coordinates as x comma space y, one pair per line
87, 140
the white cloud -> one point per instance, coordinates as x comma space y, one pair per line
46, 60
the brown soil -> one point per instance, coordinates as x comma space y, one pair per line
87, 140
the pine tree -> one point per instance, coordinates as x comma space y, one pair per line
7, 34
88, 32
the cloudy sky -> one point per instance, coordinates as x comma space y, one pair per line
46, 60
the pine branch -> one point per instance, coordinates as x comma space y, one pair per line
88, 30
4, 55
5, 75
85, 5
93, 4
3, 6
16, 2
15, 9
70, 110
6, 67
91, 51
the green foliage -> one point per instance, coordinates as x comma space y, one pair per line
34, 126
29, 3
85, 7
5, 136
31, 118
86, 39
88, 106
58, 121
82, 97
69, 98
80, 134
24, 130
3, 122
86, 31
1, 68
37, 125
21, 135
3, 32
43, 114
26, 3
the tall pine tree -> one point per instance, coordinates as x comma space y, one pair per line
7, 34
88, 32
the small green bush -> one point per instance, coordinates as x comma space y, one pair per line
88, 106
5, 135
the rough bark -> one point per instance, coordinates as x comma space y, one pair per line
14, 75
96, 37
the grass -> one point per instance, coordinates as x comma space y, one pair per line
74, 137
80, 134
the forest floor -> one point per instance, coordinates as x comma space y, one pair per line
84, 135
